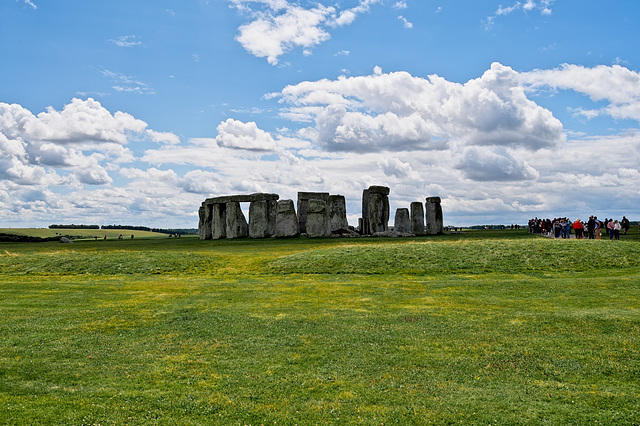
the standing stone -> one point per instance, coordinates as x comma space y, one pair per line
207, 222
435, 223
417, 218
258, 219
364, 227
271, 224
262, 219
317, 219
303, 203
201, 224
337, 208
286, 219
402, 222
236, 223
375, 209
218, 221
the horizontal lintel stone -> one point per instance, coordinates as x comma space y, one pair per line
242, 198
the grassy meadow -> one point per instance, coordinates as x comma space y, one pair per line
486, 327
81, 233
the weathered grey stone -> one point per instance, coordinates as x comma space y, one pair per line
434, 220
286, 219
201, 223
402, 223
242, 198
218, 221
364, 226
262, 219
375, 209
207, 221
337, 209
236, 223
317, 219
272, 206
65, 240
344, 233
382, 190
417, 218
303, 203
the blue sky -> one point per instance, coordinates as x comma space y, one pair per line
134, 112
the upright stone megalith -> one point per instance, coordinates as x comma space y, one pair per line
262, 219
286, 219
435, 223
337, 208
207, 221
303, 204
201, 222
417, 218
218, 221
402, 222
375, 209
317, 219
237, 226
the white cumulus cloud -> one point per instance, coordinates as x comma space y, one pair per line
617, 85
238, 135
397, 111
277, 27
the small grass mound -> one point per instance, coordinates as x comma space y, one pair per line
466, 257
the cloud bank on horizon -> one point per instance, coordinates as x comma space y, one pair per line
498, 147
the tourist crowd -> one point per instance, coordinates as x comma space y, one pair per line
593, 228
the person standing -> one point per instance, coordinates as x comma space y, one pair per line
610, 229
591, 226
577, 227
616, 229
625, 224
566, 229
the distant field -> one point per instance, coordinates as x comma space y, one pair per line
87, 233
486, 327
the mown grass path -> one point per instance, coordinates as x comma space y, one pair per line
479, 328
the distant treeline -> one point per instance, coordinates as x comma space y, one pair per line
146, 228
127, 227
182, 231
72, 226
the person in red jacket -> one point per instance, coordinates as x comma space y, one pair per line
577, 227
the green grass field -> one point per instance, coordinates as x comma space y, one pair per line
489, 327
85, 233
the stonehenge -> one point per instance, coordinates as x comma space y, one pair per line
319, 215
